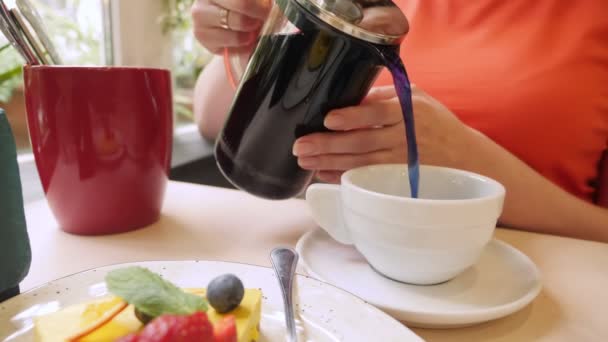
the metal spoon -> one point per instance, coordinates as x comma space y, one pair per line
33, 17
14, 36
29, 36
284, 261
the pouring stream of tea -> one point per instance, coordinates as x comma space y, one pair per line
404, 92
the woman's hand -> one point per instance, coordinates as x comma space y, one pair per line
374, 133
228, 23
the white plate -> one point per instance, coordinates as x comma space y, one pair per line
503, 281
325, 313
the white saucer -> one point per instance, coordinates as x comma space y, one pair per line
503, 281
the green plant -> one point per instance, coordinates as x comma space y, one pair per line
176, 16
189, 56
75, 38
10, 72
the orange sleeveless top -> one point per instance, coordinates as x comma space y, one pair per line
531, 75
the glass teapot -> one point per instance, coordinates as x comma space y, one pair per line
312, 56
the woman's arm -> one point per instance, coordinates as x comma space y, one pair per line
212, 98
532, 201
220, 24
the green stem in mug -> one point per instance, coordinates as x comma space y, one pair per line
4, 47
10, 73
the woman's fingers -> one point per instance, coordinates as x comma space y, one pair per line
257, 9
371, 133
215, 39
209, 16
381, 113
357, 141
374, 133
243, 18
387, 92
342, 162
379, 93
240, 22
368, 134
380, 108
329, 176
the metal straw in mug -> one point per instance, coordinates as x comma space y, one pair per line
33, 17
30, 36
14, 35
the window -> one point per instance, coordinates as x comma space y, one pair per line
158, 33
155, 33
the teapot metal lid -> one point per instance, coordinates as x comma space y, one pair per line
375, 21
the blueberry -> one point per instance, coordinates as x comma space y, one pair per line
225, 293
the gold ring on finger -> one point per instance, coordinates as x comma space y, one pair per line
224, 18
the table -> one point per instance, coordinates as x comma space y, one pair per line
202, 222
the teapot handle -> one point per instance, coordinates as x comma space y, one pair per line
228, 64
235, 62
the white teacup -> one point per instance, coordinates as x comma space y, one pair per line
427, 240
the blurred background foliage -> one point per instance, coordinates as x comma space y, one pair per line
76, 28
10, 71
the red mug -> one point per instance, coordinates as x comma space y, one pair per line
101, 138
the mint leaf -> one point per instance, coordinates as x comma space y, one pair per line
151, 294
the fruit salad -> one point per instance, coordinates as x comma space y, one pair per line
144, 307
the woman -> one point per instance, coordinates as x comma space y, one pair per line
514, 90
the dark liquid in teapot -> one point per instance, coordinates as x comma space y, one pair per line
286, 92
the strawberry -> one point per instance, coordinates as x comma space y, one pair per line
225, 330
176, 328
